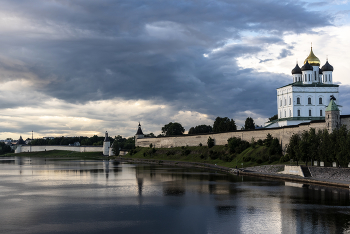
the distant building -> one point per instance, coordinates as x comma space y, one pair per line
20, 141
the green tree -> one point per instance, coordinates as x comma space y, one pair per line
115, 148
304, 147
313, 144
273, 117
172, 129
237, 145
210, 142
268, 140
325, 144
249, 124
275, 147
224, 125
4, 149
342, 145
200, 129
293, 147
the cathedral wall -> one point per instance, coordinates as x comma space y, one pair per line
282, 133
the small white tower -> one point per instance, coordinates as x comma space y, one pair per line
327, 71
307, 73
106, 145
139, 133
296, 72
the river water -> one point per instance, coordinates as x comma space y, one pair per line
87, 196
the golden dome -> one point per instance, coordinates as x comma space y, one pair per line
313, 60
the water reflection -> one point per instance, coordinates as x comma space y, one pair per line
46, 195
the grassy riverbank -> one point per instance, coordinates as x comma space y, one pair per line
59, 154
219, 155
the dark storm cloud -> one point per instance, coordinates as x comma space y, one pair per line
92, 50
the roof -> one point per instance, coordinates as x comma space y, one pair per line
332, 106
312, 59
300, 84
296, 70
307, 67
139, 130
327, 67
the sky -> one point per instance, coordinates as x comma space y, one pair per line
83, 67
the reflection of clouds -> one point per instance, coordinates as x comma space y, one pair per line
54, 195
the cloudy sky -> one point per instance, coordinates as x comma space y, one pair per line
79, 68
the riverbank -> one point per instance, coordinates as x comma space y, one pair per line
326, 176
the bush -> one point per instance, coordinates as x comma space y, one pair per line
259, 161
236, 145
150, 145
168, 153
210, 142
213, 155
185, 152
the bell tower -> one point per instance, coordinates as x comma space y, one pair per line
332, 115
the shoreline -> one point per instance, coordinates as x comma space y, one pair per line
242, 171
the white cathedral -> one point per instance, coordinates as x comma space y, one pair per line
307, 97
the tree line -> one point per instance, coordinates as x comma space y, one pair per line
123, 143
320, 146
221, 124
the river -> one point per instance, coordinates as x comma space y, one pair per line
87, 196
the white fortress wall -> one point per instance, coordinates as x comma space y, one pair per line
281, 133
38, 148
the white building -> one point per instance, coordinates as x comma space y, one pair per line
307, 97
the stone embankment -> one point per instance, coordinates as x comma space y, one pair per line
266, 168
339, 177
329, 173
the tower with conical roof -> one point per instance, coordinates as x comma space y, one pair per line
306, 98
139, 133
332, 115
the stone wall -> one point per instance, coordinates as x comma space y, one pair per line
38, 148
282, 133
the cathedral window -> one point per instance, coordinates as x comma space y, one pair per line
320, 112
309, 101
309, 77
298, 100
315, 75
309, 112
305, 78
290, 101
281, 102
298, 112
326, 78
290, 113
285, 102
320, 101
285, 114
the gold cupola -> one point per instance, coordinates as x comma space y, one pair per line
312, 59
